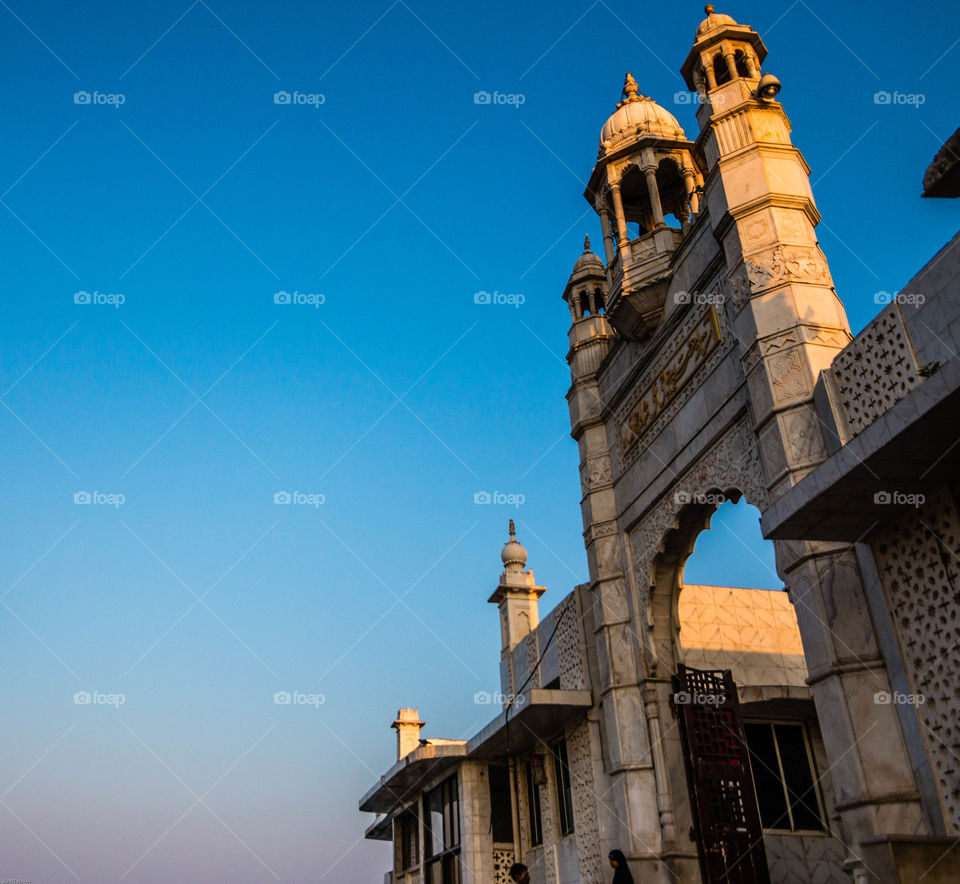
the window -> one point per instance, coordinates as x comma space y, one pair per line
501, 809
721, 72
408, 841
782, 765
533, 805
441, 833
564, 795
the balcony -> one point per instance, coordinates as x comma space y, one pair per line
636, 299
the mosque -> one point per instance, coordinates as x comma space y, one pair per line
711, 733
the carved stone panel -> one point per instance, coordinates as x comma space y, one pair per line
918, 558
667, 384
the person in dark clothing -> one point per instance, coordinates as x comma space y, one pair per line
621, 874
519, 873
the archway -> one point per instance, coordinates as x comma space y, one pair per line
718, 604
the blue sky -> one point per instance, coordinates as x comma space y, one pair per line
184, 188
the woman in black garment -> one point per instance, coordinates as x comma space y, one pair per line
621, 874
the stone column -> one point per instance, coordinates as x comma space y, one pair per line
731, 64
711, 78
624, 240
690, 186
650, 173
608, 248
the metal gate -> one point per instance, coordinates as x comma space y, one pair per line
726, 822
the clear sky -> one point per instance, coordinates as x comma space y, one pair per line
381, 197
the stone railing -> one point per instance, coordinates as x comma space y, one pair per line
869, 376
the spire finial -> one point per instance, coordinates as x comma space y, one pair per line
513, 531
586, 243
630, 91
708, 9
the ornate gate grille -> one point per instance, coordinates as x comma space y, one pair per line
726, 822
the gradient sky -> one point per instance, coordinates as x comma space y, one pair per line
397, 399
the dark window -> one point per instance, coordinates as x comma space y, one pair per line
741, 62
501, 811
441, 833
721, 73
782, 765
564, 795
409, 842
533, 804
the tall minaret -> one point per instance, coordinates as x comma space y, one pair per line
790, 325
517, 597
786, 313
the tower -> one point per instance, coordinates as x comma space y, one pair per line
785, 309
517, 597
646, 171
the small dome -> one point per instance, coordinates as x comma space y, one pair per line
514, 553
713, 20
635, 116
588, 259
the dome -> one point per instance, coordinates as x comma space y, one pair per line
635, 116
588, 260
514, 553
713, 20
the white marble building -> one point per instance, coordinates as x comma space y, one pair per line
711, 360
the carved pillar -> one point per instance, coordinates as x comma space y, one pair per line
698, 82
731, 63
651, 705
650, 173
711, 78
624, 240
608, 248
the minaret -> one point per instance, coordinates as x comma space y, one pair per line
591, 338
786, 313
790, 324
517, 597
